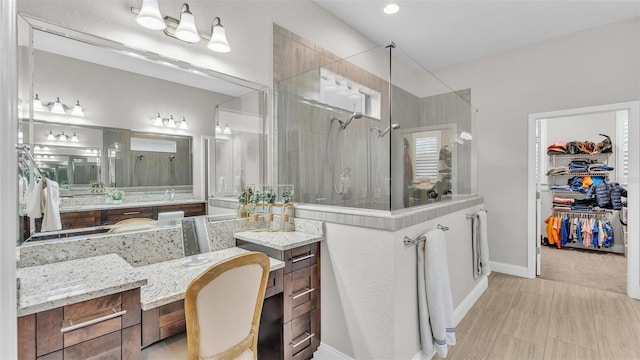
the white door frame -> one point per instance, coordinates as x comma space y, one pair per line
633, 247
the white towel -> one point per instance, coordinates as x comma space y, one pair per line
484, 243
35, 203
435, 303
51, 219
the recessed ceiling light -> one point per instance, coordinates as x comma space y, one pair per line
391, 8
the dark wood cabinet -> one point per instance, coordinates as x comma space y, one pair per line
106, 328
301, 297
94, 218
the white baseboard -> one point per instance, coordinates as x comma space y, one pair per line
463, 308
509, 269
326, 352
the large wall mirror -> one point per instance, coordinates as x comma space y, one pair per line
98, 112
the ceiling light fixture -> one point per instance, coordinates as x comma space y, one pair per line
218, 129
391, 9
77, 109
183, 29
37, 104
227, 129
183, 124
149, 16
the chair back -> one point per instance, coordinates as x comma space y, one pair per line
223, 307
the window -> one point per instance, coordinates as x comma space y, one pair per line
622, 160
427, 146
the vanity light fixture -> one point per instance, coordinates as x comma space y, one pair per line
158, 120
36, 148
74, 138
354, 94
46, 148
218, 129
464, 135
20, 135
183, 29
62, 137
186, 30
77, 109
51, 137
218, 42
183, 124
37, 104
57, 107
171, 123
149, 16
227, 129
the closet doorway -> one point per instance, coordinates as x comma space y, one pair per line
558, 181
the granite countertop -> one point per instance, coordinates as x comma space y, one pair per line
50, 286
168, 280
279, 240
106, 206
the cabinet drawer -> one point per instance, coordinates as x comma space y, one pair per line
113, 216
300, 292
107, 347
302, 336
80, 219
196, 209
275, 283
91, 319
300, 257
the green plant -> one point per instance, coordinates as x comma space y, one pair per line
116, 194
269, 197
287, 196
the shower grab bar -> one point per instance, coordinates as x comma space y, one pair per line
409, 241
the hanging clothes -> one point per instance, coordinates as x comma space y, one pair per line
51, 197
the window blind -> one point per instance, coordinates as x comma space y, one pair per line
426, 156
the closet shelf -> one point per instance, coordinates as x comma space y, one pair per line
595, 173
580, 156
566, 193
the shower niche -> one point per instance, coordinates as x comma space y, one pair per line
375, 130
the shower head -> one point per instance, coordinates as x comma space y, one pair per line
384, 132
171, 157
344, 124
140, 157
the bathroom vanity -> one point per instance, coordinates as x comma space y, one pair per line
101, 305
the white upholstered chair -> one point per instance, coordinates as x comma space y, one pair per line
223, 307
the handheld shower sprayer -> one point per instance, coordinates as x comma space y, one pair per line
171, 157
384, 132
344, 124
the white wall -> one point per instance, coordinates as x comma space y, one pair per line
593, 67
369, 295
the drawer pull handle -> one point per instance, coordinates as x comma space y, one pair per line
309, 336
301, 258
131, 213
94, 321
302, 293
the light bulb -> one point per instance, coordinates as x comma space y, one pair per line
218, 42
186, 30
57, 107
158, 120
171, 123
218, 129
36, 148
50, 137
227, 129
183, 124
74, 138
77, 109
150, 17
62, 137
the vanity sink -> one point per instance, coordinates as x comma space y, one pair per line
195, 261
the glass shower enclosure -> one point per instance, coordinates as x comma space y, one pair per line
374, 131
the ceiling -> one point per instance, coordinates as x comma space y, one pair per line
442, 33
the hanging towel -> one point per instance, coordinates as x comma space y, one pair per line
51, 219
435, 303
34, 199
475, 246
484, 243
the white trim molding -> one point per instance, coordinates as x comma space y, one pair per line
514, 270
326, 352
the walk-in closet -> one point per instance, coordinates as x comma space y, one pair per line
582, 175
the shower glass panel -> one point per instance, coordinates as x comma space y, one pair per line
373, 131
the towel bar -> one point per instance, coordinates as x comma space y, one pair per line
409, 241
471, 216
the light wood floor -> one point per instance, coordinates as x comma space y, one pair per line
520, 318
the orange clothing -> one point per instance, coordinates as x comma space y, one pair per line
552, 234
